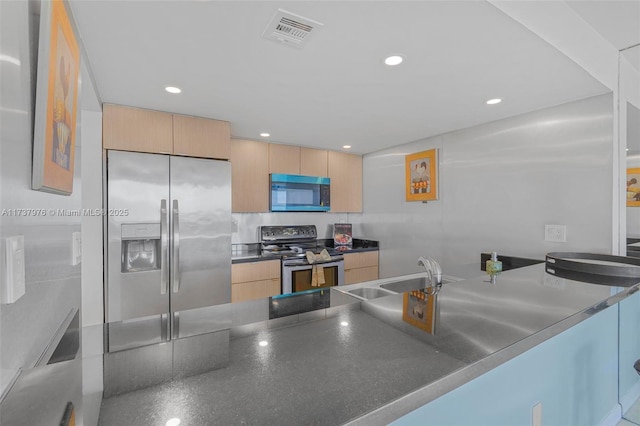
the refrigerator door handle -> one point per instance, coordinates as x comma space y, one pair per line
164, 249
175, 329
164, 327
176, 247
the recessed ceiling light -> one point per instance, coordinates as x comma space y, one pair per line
393, 60
173, 422
265, 135
172, 89
344, 323
263, 343
494, 101
346, 146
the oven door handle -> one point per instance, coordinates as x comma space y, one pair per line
288, 270
310, 265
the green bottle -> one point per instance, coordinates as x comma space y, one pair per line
494, 266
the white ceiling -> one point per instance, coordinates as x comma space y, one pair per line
336, 90
616, 21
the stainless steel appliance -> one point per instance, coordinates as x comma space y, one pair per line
291, 244
168, 257
296, 193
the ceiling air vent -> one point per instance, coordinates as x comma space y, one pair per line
290, 29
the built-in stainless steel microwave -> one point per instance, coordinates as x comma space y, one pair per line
296, 193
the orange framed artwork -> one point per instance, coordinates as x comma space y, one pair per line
419, 308
56, 101
421, 171
633, 187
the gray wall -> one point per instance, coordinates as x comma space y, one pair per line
500, 183
52, 284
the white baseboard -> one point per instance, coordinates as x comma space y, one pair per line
632, 395
614, 416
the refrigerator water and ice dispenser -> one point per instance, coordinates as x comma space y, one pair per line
140, 247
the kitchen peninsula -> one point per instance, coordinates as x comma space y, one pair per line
357, 362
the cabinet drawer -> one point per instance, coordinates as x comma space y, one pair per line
255, 271
261, 289
359, 275
360, 260
273, 287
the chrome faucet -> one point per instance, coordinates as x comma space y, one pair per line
433, 270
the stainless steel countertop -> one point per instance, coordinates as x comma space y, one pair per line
485, 325
363, 362
478, 318
481, 326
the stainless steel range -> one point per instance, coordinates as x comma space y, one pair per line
293, 244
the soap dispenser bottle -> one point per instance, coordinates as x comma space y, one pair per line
493, 265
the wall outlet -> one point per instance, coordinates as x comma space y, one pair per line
76, 248
13, 284
555, 233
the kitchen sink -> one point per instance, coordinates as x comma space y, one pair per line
408, 285
369, 292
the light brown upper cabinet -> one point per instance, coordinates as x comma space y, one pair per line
249, 176
136, 129
201, 137
253, 161
284, 159
296, 160
345, 172
313, 162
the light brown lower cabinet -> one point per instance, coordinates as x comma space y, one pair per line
360, 267
255, 280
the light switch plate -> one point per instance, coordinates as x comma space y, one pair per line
555, 233
13, 283
76, 248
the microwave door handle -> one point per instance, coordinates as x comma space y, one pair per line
164, 249
176, 247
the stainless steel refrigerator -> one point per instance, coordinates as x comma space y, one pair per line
168, 259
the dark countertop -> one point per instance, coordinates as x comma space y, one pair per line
252, 254
316, 373
358, 362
